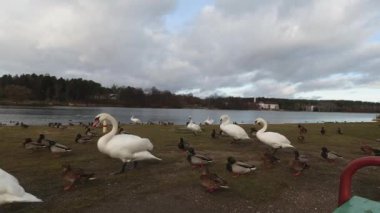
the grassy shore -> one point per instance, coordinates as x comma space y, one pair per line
173, 186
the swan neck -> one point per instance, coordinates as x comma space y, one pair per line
105, 138
265, 125
114, 125
227, 121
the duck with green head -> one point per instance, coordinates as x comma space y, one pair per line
31, 145
82, 139
57, 148
299, 163
183, 145
329, 155
239, 168
197, 160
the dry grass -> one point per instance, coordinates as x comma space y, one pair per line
172, 186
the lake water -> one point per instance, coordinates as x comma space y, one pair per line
44, 115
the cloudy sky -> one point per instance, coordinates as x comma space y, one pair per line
319, 49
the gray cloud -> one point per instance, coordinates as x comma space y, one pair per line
269, 48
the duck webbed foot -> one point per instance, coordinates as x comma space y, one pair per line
274, 151
68, 187
122, 169
297, 173
134, 165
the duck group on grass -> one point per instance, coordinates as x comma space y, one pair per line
130, 149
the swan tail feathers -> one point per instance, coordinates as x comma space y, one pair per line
148, 143
27, 197
31, 198
145, 155
287, 146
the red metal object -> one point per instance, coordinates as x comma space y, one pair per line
349, 171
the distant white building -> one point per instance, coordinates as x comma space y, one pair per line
311, 108
268, 106
112, 96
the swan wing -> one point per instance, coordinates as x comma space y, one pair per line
61, 146
274, 139
245, 165
132, 143
236, 168
235, 131
194, 127
202, 157
303, 159
333, 155
209, 121
9, 184
12, 191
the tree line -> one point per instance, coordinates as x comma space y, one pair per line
46, 89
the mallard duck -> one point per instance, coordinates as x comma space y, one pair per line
299, 163
41, 139
57, 148
31, 145
24, 125
88, 132
213, 134
183, 145
323, 131
71, 176
197, 160
82, 139
212, 181
301, 139
11, 191
369, 150
122, 131
269, 159
239, 168
328, 155
376, 152
302, 129
252, 131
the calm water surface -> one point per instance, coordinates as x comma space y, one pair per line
44, 115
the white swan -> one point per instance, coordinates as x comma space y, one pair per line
233, 130
126, 147
273, 139
11, 191
135, 120
193, 127
208, 121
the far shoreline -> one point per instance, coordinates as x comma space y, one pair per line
10, 104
